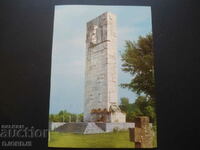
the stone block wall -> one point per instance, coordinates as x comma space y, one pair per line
54, 125
101, 64
110, 127
117, 117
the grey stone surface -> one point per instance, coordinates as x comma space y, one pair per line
81, 127
92, 127
54, 125
142, 134
109, 127
72, 127
101, 67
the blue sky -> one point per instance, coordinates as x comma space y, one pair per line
68, 53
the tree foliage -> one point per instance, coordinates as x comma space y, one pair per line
124, 101
64, 116
138, 61
141, 107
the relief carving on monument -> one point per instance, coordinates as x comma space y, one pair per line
97, 32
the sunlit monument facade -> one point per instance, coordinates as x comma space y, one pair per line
101, 101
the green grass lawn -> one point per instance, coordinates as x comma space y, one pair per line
103, 140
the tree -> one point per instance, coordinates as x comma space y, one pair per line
131, 115
141, 102
150, 112
65, 116
51, 117
124, 104
80, 116
124, 101
138, 61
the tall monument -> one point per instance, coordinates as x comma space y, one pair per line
101, 71
101, 111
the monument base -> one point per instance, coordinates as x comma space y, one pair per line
110, 127
92, 127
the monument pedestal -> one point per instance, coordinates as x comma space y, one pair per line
93, 127
110, 127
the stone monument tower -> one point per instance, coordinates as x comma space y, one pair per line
101, 71
101, 111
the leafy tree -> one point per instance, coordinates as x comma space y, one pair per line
131, 109
141, 102
51, 117
146, 107
80, 116
124, 101
124, 104
150, 112
138, 61
65, 116
131, 115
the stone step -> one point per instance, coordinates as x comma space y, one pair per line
84, 128
92, 128
72, 127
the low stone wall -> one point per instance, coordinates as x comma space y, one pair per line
89, 127
54, 125
109, 127
92, 128
118, 117
79, 127
101, 125
72, 127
